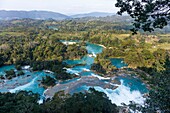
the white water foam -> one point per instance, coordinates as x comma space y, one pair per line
73, 71
23, 87
85, 69
68, 43
100, 78
90, 55
40, 101
69, 70
48, 71
122, 95
94, 55
26, 67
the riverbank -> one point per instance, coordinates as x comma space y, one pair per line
136, 73
112, 85
71, 87
8, 85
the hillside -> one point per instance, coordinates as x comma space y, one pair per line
92, 14
8, 15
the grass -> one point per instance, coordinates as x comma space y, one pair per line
164, 35
12, 33
164, 46
120, 36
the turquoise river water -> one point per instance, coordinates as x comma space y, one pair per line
130, 89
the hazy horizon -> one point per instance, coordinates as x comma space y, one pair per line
64, 6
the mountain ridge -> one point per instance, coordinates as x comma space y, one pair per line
44, 15
8, 15
92, 14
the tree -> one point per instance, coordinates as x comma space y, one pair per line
89, 102
1, 60
21, 102
48, 81
147, 14
159, 96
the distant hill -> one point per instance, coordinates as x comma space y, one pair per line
8, 15
114, 18
93, 14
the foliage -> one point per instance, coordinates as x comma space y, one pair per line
55, 66
92, 102
1, 60
31, 42
159, 96
75, 51
98, 67
20, 73
102, 65
48, 81
21, 102
10, 74
147, 14
24, 102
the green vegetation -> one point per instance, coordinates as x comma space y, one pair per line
23, 102
92, 102
148, 14
10, 74
48, 81
53, 65
103, 66
31, 42
75, 51
137, 51
159, 96
45, 50
20, 73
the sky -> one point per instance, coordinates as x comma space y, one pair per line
62, 6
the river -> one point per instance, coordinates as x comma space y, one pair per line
129, 89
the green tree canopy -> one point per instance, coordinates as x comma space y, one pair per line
91, 102
147, 14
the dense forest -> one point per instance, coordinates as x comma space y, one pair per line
24, 102
38, 43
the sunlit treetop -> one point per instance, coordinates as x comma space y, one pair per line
147, 14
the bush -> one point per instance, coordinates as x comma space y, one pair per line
10, 74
